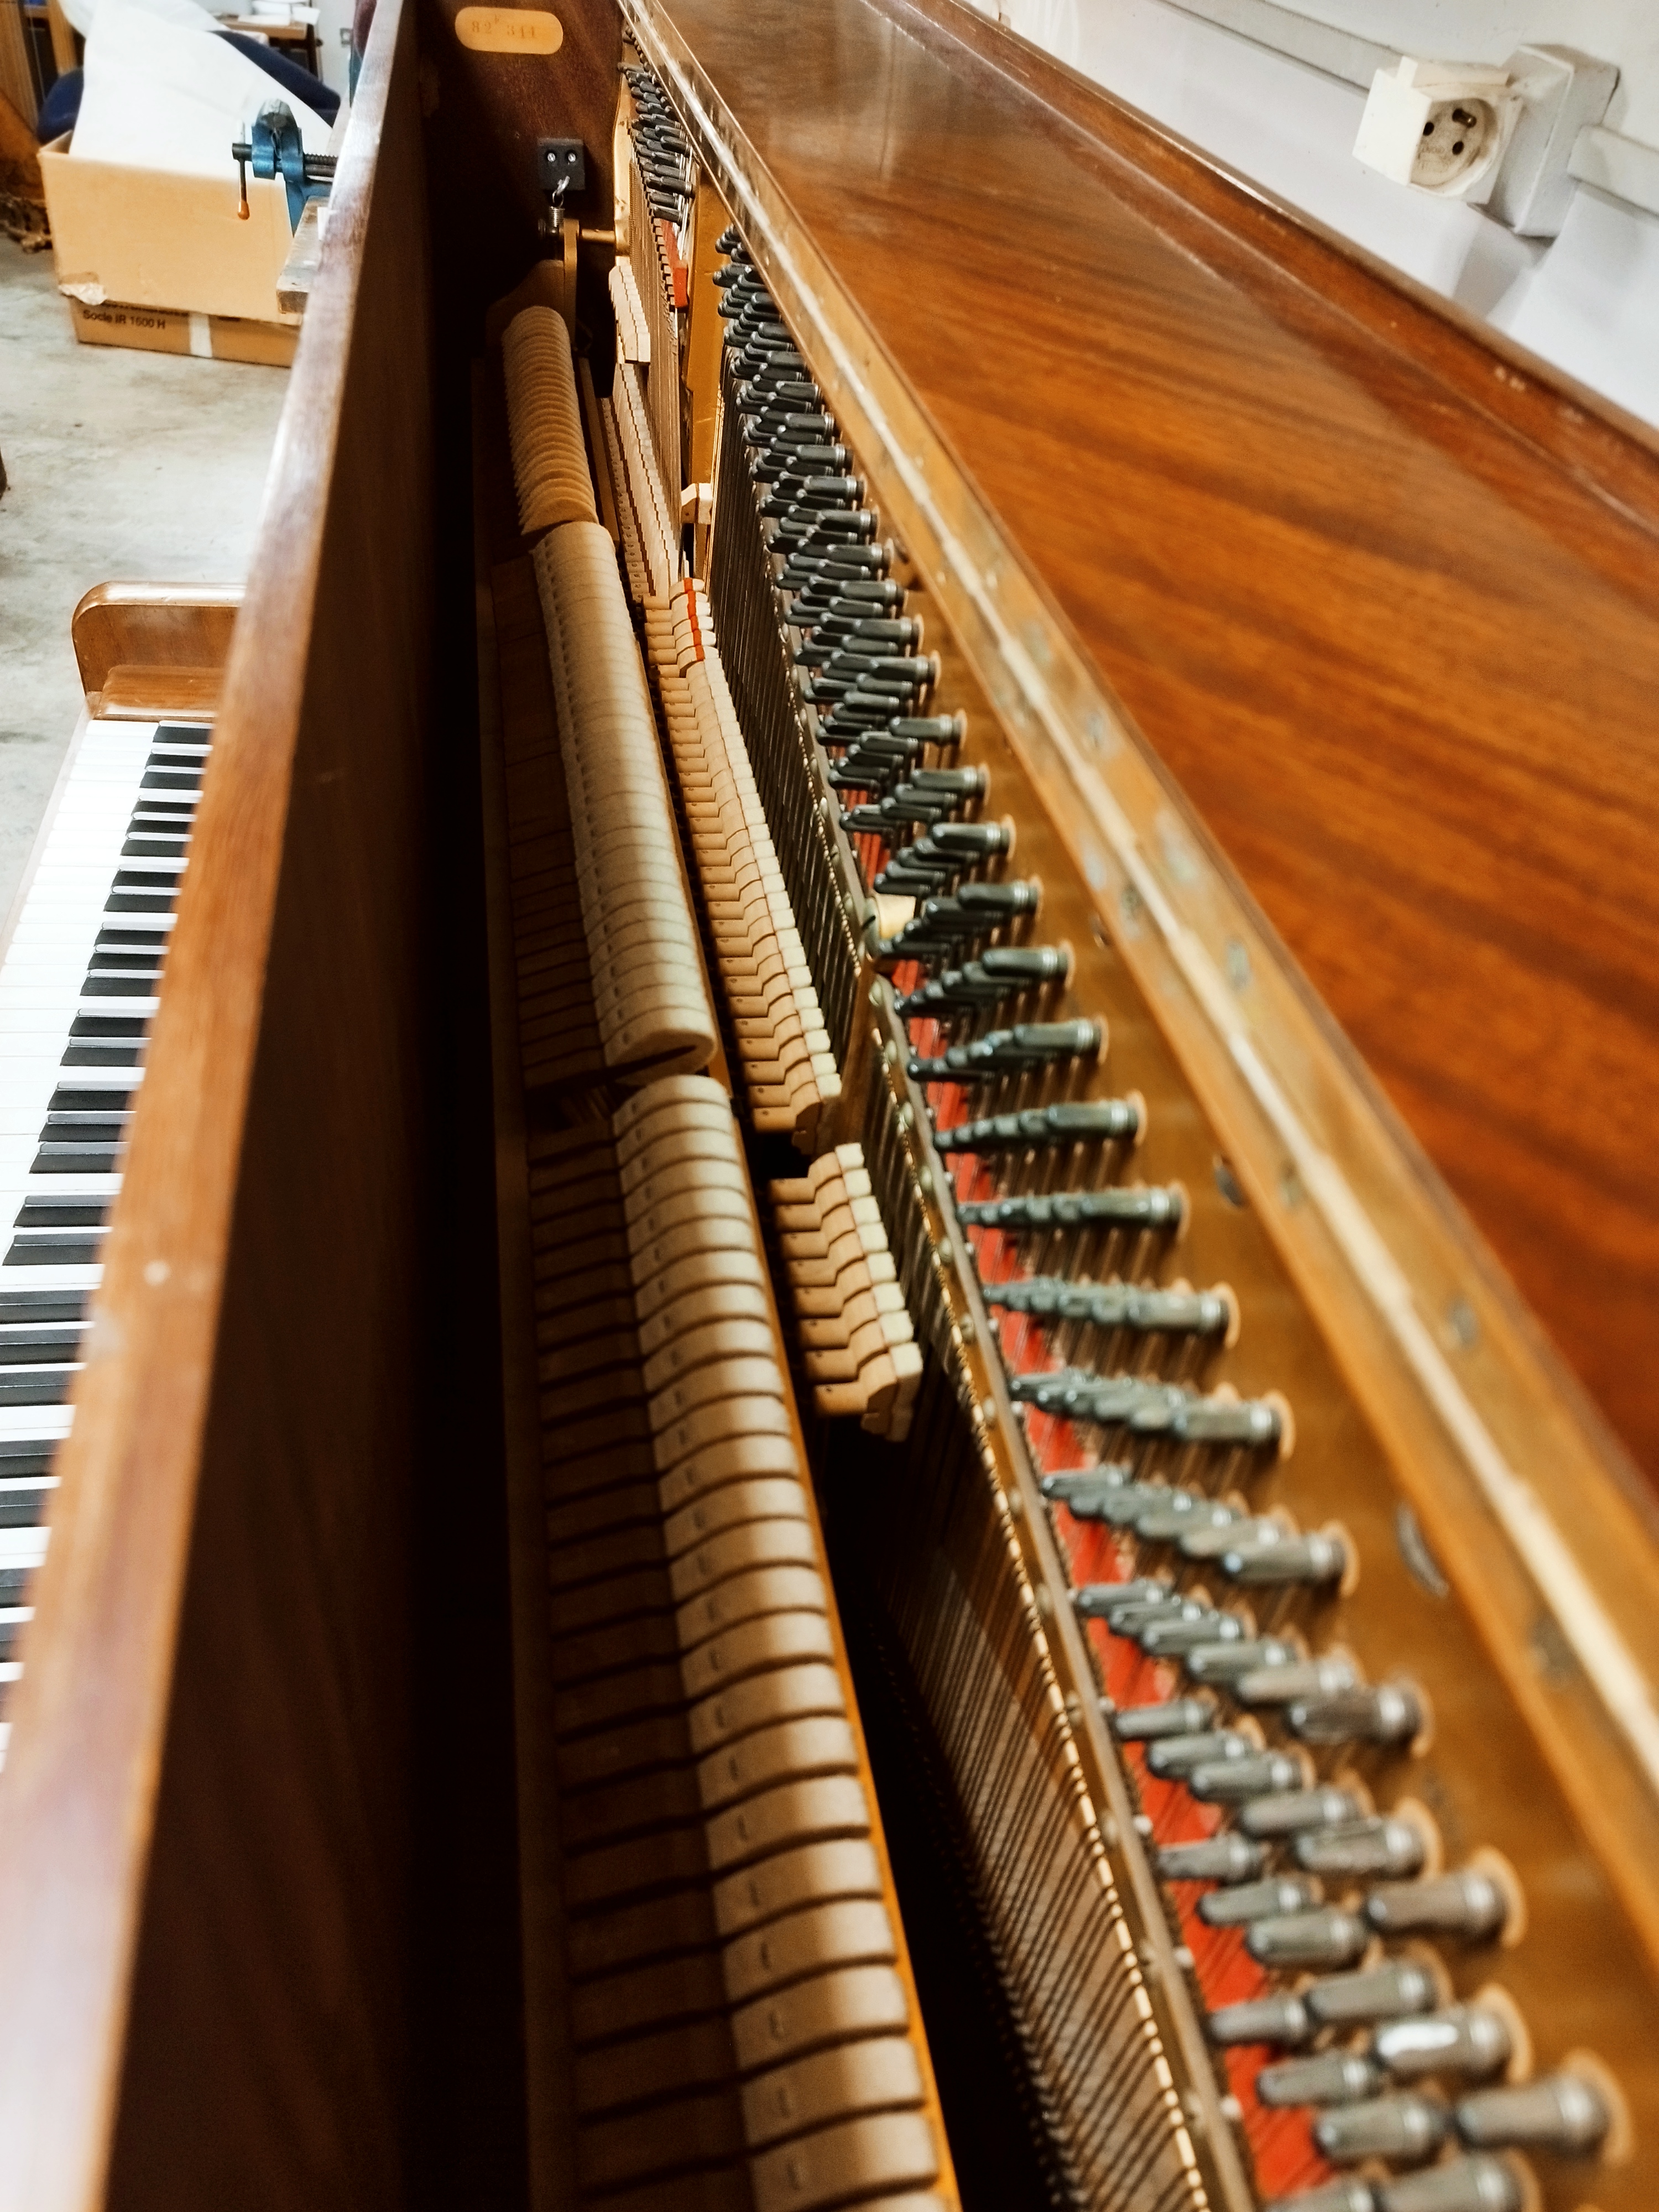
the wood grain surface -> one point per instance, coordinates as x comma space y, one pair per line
1394, 634
205, 1831
161, 627
491, 109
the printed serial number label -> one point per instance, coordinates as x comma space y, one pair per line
509, 30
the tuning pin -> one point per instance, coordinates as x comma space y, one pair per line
1096, 1493
1320, 1557
1132, 1619
1103, 1120
1101, 1600
1176, 1717
1318, 1941
1391, 1713
1225, 1662
1295, 1812
1324, 1677
1334, 2077
1173, 1757
1113, 1306
1208, 1540
1283, 2019
1257, 1901
1000, 972
931, 729
1466, 2185
1168, 1638
1358, 1849
1227, 1858
1468, 2039
1408, 2129
1403, 1985
1118, 1206
1011, 1052
1469, 1903
1179, 1514
1347, 2194
1232, 1781
1563, 2111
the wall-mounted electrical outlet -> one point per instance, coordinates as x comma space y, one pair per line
1439, 126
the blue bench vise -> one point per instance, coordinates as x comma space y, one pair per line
275, 148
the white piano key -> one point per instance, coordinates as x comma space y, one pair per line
27, 1423
72, 1187
61, 1281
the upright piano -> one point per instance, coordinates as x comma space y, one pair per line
833, 1226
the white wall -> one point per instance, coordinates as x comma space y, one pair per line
1588, 301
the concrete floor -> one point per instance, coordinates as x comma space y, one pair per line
143, 467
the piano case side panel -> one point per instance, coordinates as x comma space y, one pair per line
205, 1836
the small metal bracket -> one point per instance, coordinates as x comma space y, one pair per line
560, 169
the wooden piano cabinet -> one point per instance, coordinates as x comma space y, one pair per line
1379, 594
145, 650
205, 1831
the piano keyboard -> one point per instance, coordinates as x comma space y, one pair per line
78, 987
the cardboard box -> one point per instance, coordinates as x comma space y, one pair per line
161, 330
146, 237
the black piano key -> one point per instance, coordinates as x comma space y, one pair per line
33, 1343
27, 1455
13, 1618
96, 1053
72, 1098
37, 1386
110, 1026
17, 1304
100, 983
25, 1500
55, 1247
74, 1213
129, 901
171, 821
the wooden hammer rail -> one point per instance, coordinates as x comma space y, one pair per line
789, 1071
739, 2004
